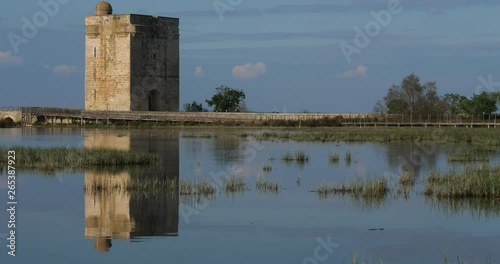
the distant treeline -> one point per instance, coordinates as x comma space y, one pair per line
412, 97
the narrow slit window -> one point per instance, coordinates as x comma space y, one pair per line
95, 52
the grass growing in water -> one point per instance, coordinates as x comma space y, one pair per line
348, 158
144, 185
407, 179
366, 188
300, 158
201, 188
267, 168
470, 154
265, 185
334, 158
234, 184
472, 182
76, 158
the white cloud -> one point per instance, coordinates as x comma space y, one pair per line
249, 71
359, 71
61, 69
199, 72
7, 59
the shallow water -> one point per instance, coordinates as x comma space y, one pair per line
58, 222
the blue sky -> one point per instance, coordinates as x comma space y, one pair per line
285, 55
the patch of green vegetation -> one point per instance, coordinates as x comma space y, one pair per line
367, 188
234, 184
472, 182
265, 185
476, 136
199, 188
49, 159
334, 159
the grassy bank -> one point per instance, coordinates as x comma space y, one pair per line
74, 158
480, 136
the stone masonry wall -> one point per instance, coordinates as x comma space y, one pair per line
155, 64
107, 59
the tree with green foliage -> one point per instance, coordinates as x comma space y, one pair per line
412, 97
479, 104
194, 107
227, 99
455, 103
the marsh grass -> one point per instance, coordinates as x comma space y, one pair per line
203, 188
476, 136
370, 188
477, 207
147, 186
334, 159
264, 185
300, 158
267, 168
348, 158
471, 154
407, 179
234, 184
460, 260
472, 182
76, 158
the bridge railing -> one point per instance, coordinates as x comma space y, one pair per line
424, 119
50, 111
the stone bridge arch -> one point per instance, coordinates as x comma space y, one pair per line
14, 115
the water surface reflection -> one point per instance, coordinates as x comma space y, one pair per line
113, 211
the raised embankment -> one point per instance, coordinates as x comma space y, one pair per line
28, 116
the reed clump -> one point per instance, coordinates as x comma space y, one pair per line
472, 182
348, 158
267, 168
265, 185
334, 158
199, 188
76, 158
367, 188
407, 179
234, 184
300, 158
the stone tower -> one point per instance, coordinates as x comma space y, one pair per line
131, 62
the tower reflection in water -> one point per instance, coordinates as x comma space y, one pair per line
118, 213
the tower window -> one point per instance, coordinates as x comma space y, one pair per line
95, 52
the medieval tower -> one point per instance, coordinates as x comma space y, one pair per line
131, 62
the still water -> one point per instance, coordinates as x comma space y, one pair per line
59, 222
